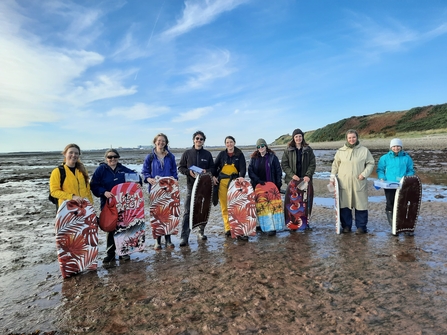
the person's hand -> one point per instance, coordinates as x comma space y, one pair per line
295, 177
361, 177
107, 194
215, 181
192, 174
151, 181
240, 179
77, 198
306, 179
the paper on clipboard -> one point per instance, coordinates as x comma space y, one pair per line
196, 169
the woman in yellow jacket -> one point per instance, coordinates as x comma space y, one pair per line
76, 185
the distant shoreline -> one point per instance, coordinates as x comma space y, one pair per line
432, 142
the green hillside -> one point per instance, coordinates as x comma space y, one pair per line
428, 119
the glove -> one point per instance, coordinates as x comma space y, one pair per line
262, 183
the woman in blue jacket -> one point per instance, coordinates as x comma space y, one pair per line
107, 175
159, 163
392, 167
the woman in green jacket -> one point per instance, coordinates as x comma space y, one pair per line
298, 160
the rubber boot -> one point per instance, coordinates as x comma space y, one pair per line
202, 233
169, 244
157, 245
389, 216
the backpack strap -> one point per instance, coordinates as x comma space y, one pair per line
63, 174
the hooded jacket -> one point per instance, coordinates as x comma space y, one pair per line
348, 164
288, 163
393, 167
152, 167
238, 159
274, 167
104, 179
74, 184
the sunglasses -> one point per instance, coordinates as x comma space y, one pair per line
112, 157
200, 139
261, 146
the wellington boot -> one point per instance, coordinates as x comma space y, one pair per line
389, 216
157, 245
202, 233
169, 244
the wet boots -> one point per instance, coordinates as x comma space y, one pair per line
169, 244
202, 233
389, 216
157, 245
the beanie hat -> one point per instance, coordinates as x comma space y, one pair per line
261, 141
396, 141
296, 132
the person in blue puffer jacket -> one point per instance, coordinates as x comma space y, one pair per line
107, 175
392, 167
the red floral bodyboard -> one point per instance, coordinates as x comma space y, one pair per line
76, 237
241, 208
165, 207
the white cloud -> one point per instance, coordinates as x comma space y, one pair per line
213, 65
199, 13
139, 111
193, 114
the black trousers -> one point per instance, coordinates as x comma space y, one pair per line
390, 195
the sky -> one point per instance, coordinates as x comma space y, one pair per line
115, 73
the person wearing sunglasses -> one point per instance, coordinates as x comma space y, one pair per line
203, 159
229, 164
160, 163
106, 176
264, 166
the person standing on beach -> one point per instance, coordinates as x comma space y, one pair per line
76, 184
264, 166
352, 165
298, 160
229, 164
392, 167
107, 175
203, 159
160, 163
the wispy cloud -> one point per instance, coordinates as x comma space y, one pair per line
212, 65
139, 111
193, 114
199, 13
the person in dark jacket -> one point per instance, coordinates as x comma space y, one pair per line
159, 163
264, 166
298, 160
229, 164
203, 159
105, 177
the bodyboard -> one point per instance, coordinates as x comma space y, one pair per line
241, 208
338, 227
130, 234
269, 207
76, 230
164, 207
407, 202
298, 205
201, 198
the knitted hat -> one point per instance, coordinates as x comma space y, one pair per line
296, 132
261, 141
396, 141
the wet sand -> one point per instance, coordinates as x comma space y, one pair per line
294, 283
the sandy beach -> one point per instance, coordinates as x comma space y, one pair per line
315, 282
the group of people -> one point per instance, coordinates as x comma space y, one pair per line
352, 165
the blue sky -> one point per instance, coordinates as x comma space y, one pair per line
116, 73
